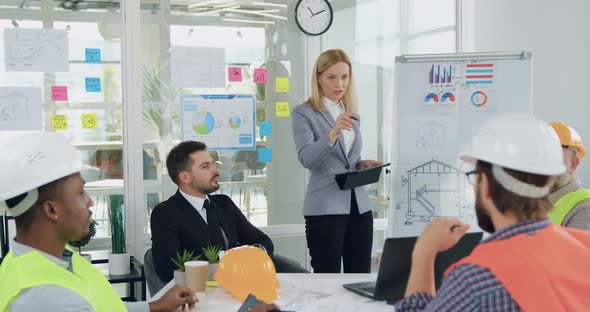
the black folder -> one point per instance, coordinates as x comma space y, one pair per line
352, 179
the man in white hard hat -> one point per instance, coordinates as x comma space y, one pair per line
571, 202
527, 263
42, 188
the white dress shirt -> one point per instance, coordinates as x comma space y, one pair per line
335, 110
197, 203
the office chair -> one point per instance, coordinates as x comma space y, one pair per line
154, 282
4, 234
287, 265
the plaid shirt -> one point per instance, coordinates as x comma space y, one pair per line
470, 287
579, 216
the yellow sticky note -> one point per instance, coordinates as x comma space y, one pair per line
59, 122
212, 284
282, 109
282, 84
89, 121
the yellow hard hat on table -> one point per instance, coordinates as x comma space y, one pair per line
248, 270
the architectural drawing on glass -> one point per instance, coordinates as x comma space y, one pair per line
434, 189
36, 50
431, 134
13, 107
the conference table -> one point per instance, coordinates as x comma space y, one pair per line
301, 293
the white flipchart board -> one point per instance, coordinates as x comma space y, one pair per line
439, 102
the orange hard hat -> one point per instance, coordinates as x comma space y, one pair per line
248, 270
569, 137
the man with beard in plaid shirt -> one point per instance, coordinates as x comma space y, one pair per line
528, 263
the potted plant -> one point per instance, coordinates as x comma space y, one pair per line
180, 274
84, 241
119, 260
211, 252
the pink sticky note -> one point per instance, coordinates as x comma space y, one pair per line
234, 73
59, 93
260, 75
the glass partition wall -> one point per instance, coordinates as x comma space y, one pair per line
253, 38
142, 82
55, 51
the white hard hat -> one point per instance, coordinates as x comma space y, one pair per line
31, 161
518, 142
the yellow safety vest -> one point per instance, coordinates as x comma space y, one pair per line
565, 204
34, 269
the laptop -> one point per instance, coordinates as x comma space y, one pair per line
395, 266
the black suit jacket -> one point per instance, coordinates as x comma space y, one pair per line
176, 226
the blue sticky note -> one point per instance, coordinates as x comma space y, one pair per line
264, 154
93, 84
265, 128
93, 56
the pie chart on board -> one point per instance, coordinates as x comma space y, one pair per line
479, 98
203, 122
235, 122
431, 98
448, 97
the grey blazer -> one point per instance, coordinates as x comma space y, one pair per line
314, 151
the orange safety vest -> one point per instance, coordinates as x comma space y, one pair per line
547, 271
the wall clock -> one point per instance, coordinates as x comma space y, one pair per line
313, 17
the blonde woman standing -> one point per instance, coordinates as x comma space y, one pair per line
326, 131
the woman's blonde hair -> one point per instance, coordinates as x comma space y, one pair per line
325, 61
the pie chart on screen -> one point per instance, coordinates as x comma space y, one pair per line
479, 98
431, 98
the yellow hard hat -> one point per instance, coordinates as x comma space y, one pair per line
569, 137
248, 270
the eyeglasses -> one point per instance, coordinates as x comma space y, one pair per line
471, 176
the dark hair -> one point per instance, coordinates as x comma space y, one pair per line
46, 192
524, 208
179, 158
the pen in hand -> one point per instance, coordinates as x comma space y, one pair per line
355, 118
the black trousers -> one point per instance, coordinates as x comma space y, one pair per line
333, 239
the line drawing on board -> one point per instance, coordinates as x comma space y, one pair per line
431, 134
36, 50
434, 189
197, 67
13, 107
34, 45
20, 108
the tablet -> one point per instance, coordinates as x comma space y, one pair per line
352, 179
